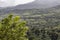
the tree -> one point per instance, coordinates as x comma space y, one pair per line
12, 28
53, 35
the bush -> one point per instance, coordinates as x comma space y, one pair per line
12, 28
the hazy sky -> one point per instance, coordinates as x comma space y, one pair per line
6, 3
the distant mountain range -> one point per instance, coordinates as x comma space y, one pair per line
37, 4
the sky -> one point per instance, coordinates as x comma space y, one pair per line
6, 3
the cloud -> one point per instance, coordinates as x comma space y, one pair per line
6, 3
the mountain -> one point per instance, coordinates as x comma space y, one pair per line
0, 7
34, 15
39, 4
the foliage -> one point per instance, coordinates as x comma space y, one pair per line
44, 33
12, 28
37, 19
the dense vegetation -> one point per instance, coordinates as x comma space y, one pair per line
42, 23
39, 20
12, 28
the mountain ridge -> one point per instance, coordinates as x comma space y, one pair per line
37, 4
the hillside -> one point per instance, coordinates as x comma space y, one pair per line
37, 17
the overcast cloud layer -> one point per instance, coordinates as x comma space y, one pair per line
6, 3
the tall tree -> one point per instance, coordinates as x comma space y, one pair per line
12, 28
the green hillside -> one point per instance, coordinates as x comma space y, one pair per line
37, 20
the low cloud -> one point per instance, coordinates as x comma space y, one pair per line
6, 3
